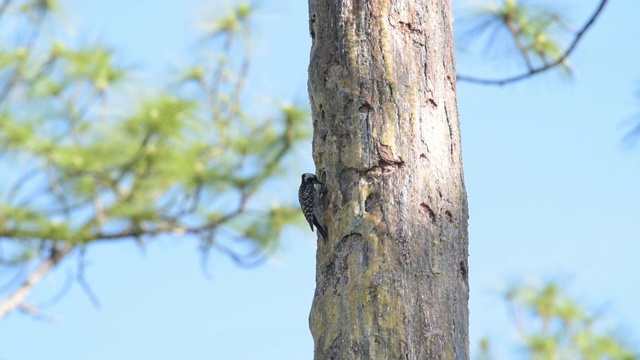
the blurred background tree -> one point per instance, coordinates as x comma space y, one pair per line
535, 32
552, 325
189, 160
549, 324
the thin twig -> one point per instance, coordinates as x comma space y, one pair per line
546, 67
245, 261
216, 82
515, 32
59, 295
248, 261
83, 282
37, 314
237, 91
17, 75
137, 156
57, 190
22, 180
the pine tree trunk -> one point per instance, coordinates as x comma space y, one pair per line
392, 280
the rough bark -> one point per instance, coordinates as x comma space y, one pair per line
392, 280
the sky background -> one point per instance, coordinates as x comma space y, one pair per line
553, 195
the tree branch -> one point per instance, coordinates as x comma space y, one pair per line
532, 72
16, 300
4, 6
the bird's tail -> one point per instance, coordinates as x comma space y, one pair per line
321, 229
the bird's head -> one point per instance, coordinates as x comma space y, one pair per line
311, 179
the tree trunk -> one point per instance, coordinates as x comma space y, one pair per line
392, 279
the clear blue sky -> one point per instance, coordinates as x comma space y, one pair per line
552, 194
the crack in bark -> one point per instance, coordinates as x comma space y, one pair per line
451, 139
449, 216
408, 27
429, 212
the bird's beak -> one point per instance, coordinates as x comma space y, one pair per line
318, 182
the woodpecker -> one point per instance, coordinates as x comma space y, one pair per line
310, 200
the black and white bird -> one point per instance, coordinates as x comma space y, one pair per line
310, 200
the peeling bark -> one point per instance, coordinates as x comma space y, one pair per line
392, 279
